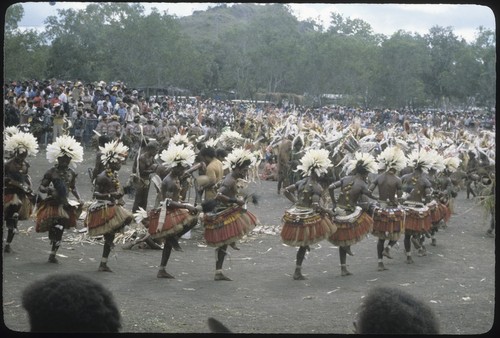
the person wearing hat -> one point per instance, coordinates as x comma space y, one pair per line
57, 212
307, 222
228, 220
388, 216
114, 127
351, 217
106, 215
17, 194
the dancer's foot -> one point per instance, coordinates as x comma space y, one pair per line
490, 233
422, 252
347, 249
7, 248
175, 245
381, 267
409, 260
164, 274
53, 259
297, 275
433, 242
345, 272
221, 276
233, 245
103, 267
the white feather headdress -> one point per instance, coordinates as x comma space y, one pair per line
22, 142
211, 143
315, 160
452, 163
65, 145
230, 138
180, 139
438, 161
113, 151
392, 158
361, 162
9, 131
237, 158
178, 154
420, 159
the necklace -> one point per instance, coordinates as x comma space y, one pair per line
114, 179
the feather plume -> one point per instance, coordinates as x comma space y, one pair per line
361, 162
452, 163
178, 154
22, 142
180, 139
420, 159
237, 158
65, 145
140, 215
9, 131
113, 151
392, 158
438, 161
315, 159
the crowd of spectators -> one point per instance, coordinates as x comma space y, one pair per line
51, 107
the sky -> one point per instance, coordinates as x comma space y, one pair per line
383, 18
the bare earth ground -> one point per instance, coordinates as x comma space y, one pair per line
456, 278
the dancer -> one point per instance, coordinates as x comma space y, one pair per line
351, 217
307, 222
388, 216
106, 215
228, 220
18, 195
57, 212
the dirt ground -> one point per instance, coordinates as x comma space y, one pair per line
456, 278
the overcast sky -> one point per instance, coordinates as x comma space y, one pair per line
383, 18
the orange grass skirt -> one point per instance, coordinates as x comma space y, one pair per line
22, 202
307, 228
227, 226
172, 223
104, 217
417, 220
353, 230
50, 213
388, 223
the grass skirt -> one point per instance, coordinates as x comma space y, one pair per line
351, 228
50, 213
418, 219
164, 222
388, 223
104, 217
228, 226
305, 227
22, 202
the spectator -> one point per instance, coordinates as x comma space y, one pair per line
387, 310
70, 303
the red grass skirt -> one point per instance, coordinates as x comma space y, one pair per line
22, 202
418, 219
170, 222
445, 211
351, 228
50, 213
388, 223
305, 228
104, 217
227, 226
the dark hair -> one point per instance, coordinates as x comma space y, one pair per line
70, 303
103, 139
208, 152
221, 152
387, 310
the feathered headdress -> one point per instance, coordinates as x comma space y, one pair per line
420, 159
237, 158
113, 151
392, 158
211, 143
362, 163
9, 131
181, 139
452, 163
65, 145
438, 161
231, 139
315, 160
21, 142
177, 154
